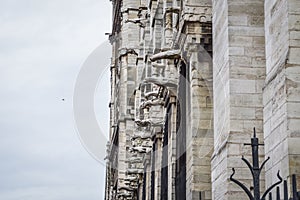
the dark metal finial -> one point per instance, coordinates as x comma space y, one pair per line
255, 169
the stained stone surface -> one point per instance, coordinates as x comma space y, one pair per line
190, 79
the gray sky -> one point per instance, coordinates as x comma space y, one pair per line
43, 44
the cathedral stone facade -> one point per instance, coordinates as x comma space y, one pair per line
190, 79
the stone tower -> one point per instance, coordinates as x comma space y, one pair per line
189, 80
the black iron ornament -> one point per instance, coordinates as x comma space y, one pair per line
255, 171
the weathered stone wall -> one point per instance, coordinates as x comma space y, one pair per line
239, 74
252, 81
195, 39
281, 94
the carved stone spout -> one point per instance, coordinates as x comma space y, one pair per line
139, 21
140, 149
152, 102
171, 54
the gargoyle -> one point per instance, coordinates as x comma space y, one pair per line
140, 149
145, 123
134, 171
152, 102
139, 21
141, 136
151, 94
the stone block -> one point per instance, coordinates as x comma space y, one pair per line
293, 89
242, 113
244, 72
240, 41
293, 127
293, 146
237, 20
294, 35
239, 60
246, 31
294, 7
258, 62
294, 55
256, 21
238, 86
246, 100
256, 50
250, 8
294, 21
236, 51
293, 110
295, 43
259, 85
294, 164
237, 125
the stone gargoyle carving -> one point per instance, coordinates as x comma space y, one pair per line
148, 95
134, 160
144, 123
141, 22
152, 102
131, 178
171, 54
140, 149
124, 195
145, 135
134, 171
162, 81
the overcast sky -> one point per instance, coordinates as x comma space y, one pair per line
43, 44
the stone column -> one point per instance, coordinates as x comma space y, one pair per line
282, 91
172, 149
158, 28
122, 165
200, 132
158, 166
147, 173
238, 79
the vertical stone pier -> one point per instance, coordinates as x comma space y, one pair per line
239, 74
190, 80
282, 90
